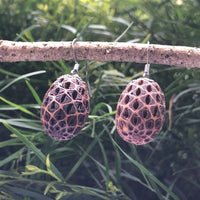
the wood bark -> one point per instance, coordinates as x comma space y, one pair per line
11, 51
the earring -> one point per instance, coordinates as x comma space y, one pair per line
140, 110
65, 106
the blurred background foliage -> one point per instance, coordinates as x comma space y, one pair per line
97, 164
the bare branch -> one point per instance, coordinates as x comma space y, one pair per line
99, 51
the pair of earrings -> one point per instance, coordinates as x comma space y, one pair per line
139, 115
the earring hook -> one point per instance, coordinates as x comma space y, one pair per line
76, 66
147, 66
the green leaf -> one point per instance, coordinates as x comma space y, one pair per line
22, 77
24, 123
30, 28
29, 36
19, 107
145, 171
3, 71
11, 142
102, 116
8, 107
124, 32
30, 145
48, 187
27, 193
10, 174
34, 93
85, 154
100, 105
90, 191
105, 163
11, 157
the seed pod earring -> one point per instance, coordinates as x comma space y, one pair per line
140, 110
65, 106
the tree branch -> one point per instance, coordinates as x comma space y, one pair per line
99, 51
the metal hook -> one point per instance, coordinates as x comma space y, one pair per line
147, 66
76, 66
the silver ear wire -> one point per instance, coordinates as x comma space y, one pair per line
147, 66
76, 66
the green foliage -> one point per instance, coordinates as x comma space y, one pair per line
97, 164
